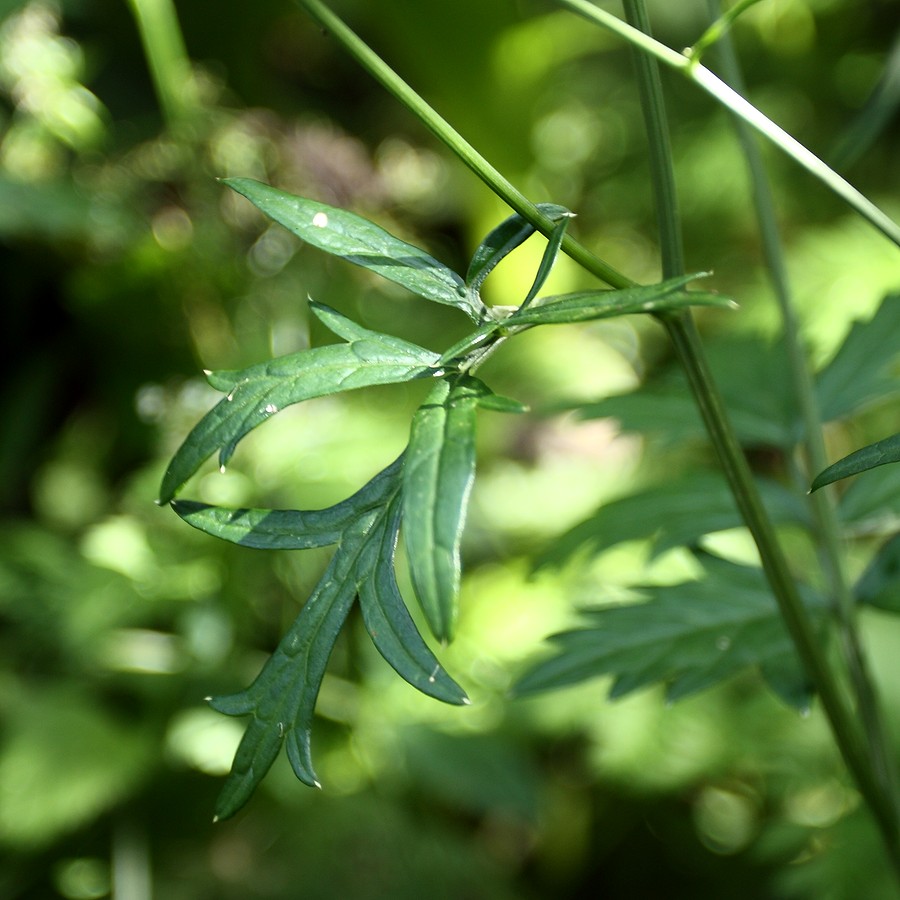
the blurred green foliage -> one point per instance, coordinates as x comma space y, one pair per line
126, 270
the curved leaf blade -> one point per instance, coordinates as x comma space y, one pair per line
878, 454
387, 619
437, 478
289, 529
257, 393
361, 242
502, 240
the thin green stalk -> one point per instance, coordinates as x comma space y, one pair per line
442, 129
813, 441
167, 57
683, 334
709, 82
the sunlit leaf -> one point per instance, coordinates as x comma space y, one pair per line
257, 393
551, 251
864, 370
437, 478
289, 529
502, 240
387, 619
585, 306
878, 454
360, 241
676, 513
687, 636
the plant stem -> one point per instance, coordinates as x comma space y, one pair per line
167, 58
687, 344
442, 129
813, 443
709, 82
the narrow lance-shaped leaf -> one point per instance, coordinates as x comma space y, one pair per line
587, 305
437, 478
387, 619
878, 454
290, 529
548, 259
257, 393
360, 241
502, 240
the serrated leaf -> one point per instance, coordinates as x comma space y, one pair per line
585, 306
257, 393
864, 369
688, 636
363, 243
751, 374
289, 529
502, 240
672, 514
387, 619
437, 477
878, 454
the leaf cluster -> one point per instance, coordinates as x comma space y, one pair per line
424, 494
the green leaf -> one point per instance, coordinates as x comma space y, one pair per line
675, 513
871, 505
751, 374
548, 259
437, 478
879, 585
878, 454
387, 619
587, 305
360, 241
289, 529
257, 393
864, 370
688, 636
502, 240
282, 699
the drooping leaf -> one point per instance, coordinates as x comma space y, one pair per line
282, 699
502, 240
257, 393
585, 306
437, 478
387, 619
879, 585
290, 529
864, 369
687, 636
360, 241
878, 454
675, 513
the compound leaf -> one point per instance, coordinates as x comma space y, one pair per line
257, 393
363, 243
437, 478
687, 636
